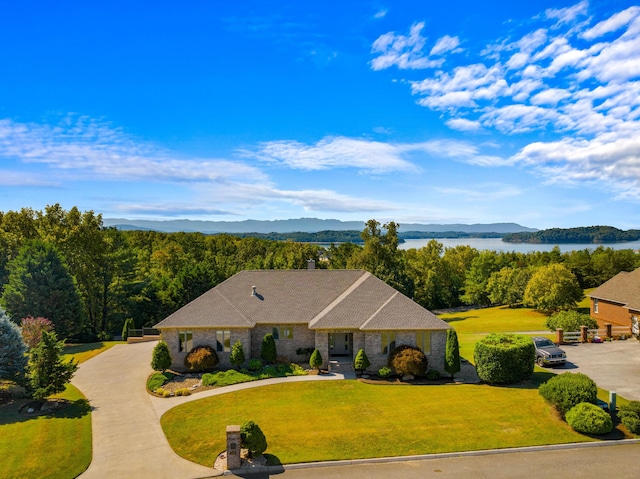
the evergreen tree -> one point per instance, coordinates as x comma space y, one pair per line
161, 357
315, 361
40, 285
13, 361
361, 362
237, 354
253, 439
128, 324
452, 353
268, 349
48, 374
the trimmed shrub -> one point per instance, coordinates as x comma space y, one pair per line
629, 415
408, 360
361, 362
255, 364
570, 320
567, 390
504, 358
158, 379
183, 392
161, 357
268, 349
226, 378
237, 354
315, 361
452, 353
201, 358
384, 372
588, 418
252, 438
433, 375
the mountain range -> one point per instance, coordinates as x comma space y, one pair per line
307, 225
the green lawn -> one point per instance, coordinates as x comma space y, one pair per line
86, 351
332, 420
52, 446
474, 324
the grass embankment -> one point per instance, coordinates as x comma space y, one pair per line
86, 351
57, 445
332, 420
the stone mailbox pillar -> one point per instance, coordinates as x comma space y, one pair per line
560, 336
584, 333
609, 330
233, 447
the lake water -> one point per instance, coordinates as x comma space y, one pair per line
496, 244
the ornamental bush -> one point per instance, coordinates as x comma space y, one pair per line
361, 362
315, 361
629, 415
384, 372
504, 358
567, 390
237, 354
268, 349
201, 358
570, 320
588, 418
161, 357
408, 360
252, 438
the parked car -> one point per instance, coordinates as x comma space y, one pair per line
547, 353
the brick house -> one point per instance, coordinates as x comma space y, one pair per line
336, 311
617, 301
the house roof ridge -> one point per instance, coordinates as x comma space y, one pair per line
354, 286
382, 306
226, 300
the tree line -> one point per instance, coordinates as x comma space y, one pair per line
589, 234
88, 279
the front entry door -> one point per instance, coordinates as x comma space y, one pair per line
339, 344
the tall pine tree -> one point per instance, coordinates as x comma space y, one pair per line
40, 285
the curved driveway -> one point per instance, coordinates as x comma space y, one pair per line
128, 441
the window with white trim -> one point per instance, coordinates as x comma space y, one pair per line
185, 341
223, 341
595, 305
423, 341
388, 341
282, 332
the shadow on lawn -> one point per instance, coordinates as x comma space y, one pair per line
82, 348
459, 318
10, 413
272, 461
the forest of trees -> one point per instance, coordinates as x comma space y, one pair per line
88, 279
588, 234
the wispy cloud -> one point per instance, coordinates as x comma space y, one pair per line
381, 13
403, 51
567, 74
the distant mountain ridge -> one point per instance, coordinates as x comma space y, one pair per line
306, 225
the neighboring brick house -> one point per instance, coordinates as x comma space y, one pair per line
336, 311
617, 301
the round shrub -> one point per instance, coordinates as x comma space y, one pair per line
384, 372
255, 365
504, 358
201, 358
253, 439
408, 360
567, 390
589, 419
632, 423
433, 375
629, 415
570, 320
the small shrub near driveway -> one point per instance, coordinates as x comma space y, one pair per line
157, 380
253, 438
567, 390
161, 357
588, 418
201, 358
504, 358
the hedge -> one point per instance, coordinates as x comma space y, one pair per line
504, 358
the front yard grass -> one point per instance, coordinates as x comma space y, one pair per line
333, 420
85, 351
57, 445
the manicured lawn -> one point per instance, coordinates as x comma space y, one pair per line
86, 351
474, 324
332, 420
52, 446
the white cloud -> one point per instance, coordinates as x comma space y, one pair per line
488, 192
462, 124
612, 24
568, 14
445, 44
381, 13
405, 52
336, 152
550, 97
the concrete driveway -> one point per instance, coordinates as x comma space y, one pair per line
613, 365
128, 441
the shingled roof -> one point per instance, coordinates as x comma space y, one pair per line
623, 288
324, 299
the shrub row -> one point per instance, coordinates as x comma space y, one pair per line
629, 415
504, 358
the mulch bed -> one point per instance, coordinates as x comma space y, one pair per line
36, 408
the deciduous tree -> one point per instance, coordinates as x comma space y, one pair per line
552, 288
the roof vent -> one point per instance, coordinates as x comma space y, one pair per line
253, 291
311, 264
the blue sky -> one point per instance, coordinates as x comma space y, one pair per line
412, 111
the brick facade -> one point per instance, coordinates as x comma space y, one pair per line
609, 312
